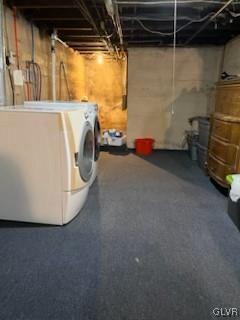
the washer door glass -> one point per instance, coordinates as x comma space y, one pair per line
86, 153
97, 139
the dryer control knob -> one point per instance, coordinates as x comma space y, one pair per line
86, 115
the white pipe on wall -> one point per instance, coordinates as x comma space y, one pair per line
53, 53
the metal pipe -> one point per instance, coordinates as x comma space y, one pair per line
118, 23
85, 12
55, 38
80, 36
90, 52
112, 10
88, 48
74, 29
54, 18
45, 6
208, 22
154, 3
86, 43
106, 40
158, 19
62, 42
53, 54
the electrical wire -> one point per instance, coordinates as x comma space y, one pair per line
34, 73
8, 54
16, 35
35, 78
62, 67
85, 12
206, 23
177, 30
119, 27
234, 14
33, 42
153, 3
11, 85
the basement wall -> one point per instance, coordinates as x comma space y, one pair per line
150, 96
105, 84
231, 61
42, 57
100, 83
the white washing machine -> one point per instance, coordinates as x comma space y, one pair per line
92, 112
46, 163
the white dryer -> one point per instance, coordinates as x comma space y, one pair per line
46, 163
91, 110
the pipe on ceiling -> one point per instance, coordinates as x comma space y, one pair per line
162, 2
207, 22
85, 12
107, 39
112, 10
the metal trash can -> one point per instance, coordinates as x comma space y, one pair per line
192, 140
203, 128
234, 212
202, 156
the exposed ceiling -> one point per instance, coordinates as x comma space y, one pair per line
87, 25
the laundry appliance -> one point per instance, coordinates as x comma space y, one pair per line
46, 163
91, 110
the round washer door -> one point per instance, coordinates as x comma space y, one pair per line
97, 139
86, 153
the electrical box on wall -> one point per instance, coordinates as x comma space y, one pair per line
18, 77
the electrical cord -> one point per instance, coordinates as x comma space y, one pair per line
7, 55
177, 30
12, 85
16, 35
34, 70
234, 14
33, 42
62, 67
151, 3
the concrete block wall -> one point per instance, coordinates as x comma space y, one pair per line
150, 96
100, 83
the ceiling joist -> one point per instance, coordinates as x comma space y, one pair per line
119, 23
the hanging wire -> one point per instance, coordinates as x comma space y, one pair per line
174, 56
177, 30
5, 29
63, 68
163, 2
33, 42
16, 35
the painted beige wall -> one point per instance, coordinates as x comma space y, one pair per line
231, 61
150, 97
104, 84
100, 83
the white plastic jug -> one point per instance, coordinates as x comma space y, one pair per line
235, 188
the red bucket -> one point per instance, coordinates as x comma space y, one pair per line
144, 146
